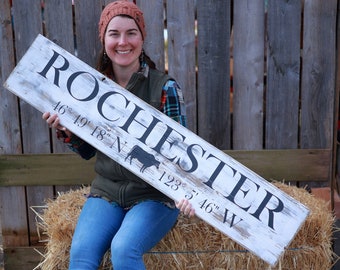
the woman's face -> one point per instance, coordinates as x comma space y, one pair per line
123, 42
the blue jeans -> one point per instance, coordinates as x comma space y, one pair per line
129, 233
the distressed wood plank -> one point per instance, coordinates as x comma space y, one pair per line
248, 56
318, 74
283, 74
181, 51
10, 134
2, 262
159, 150
287, 165
336, 116
213, 69
154, 23
10, 141
87, 14
31, 123
15, 228
56, 11
44, 169
23, 258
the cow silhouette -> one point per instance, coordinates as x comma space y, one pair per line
143, 157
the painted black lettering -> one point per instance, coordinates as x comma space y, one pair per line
238, 188
191, 155
102, 100
131, 118
165, 139
148, 130
217, 171
56, 69
119, 147
264, 204
230, 220
95, 89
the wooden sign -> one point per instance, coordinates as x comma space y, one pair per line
224, 193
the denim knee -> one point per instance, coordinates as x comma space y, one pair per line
82, 257
126, 256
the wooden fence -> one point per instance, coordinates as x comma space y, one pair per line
255, 75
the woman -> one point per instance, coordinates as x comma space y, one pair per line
122, 211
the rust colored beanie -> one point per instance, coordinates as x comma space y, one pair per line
122, 7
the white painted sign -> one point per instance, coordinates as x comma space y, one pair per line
224, 193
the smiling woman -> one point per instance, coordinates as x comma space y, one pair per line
123, 213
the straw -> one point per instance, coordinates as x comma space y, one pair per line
193, 244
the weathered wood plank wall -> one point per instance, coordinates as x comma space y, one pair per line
213, 91
10, 137
248, 56
283, 76
318, 73
181, 51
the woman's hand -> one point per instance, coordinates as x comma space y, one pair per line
53, 121
185, 207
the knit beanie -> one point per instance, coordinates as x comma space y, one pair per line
122, 7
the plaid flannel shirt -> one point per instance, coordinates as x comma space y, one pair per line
172, 102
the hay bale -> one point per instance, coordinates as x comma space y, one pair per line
58, 223
193, 244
